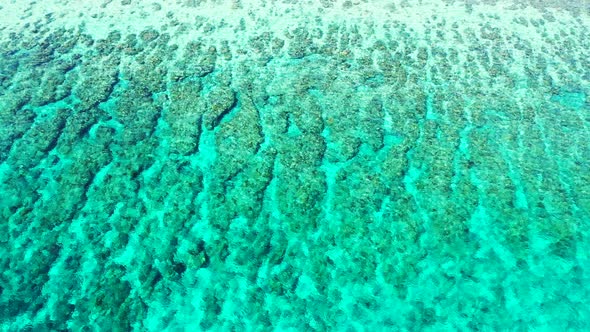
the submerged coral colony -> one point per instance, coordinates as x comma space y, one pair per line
328, 175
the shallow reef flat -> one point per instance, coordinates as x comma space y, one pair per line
255, 165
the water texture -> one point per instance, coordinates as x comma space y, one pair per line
292, 169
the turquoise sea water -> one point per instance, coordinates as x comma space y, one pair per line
320, 178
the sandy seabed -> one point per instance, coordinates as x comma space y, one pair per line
293, 166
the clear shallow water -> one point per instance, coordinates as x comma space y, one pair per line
320, 179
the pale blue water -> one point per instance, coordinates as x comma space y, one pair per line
433, 181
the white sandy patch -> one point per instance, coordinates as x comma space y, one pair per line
100, 18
